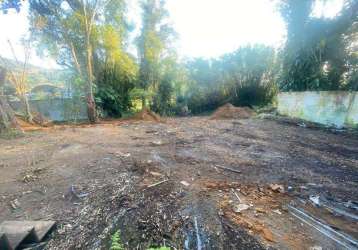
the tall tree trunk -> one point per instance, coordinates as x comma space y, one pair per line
91, 109
7, 116
91, 104
26, 104
144, 103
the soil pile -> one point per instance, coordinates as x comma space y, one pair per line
229, 111
147, 115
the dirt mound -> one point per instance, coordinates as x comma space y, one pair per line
25, 125
229, 111
147, 115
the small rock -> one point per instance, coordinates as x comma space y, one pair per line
241, 207
277, 211
316, 248
124, 155
315, 200
15, 204
157, 143
185, 183
29, 178
277, 188
156, 174
284, 208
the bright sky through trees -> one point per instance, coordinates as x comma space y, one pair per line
206, 28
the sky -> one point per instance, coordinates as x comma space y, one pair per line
206, 28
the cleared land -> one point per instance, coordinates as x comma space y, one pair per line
181, 183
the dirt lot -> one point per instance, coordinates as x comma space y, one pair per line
188, 183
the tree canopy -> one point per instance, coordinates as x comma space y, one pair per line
91, 37
320, 53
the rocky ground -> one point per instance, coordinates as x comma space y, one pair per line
187, 183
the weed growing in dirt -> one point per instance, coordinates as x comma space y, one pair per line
116, 242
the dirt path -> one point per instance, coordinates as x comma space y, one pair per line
97, 179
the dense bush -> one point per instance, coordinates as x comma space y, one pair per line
113, 88
320, 53
203, 100
255, 95
163, 99
245, 77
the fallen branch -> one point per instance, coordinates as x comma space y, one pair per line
157, 184
237, 196
229, 169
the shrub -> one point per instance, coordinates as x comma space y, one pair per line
113, 88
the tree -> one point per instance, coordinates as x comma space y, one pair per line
245, 77
316, 54
250, 74
152, 44
19, 79
113, 89
7, 118
117, 69
68, 29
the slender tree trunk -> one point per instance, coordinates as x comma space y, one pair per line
20, 82
75, 59
91, 104
7, 116
26, 104
144, 103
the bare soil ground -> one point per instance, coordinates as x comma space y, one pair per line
171, 184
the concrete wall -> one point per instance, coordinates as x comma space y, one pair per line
58, 109
337, 108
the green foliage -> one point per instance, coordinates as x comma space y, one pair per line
152, 43
139, 94
319, 52
245, 77
162, 101
116, 242
171, 86
113, 89
83, 36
